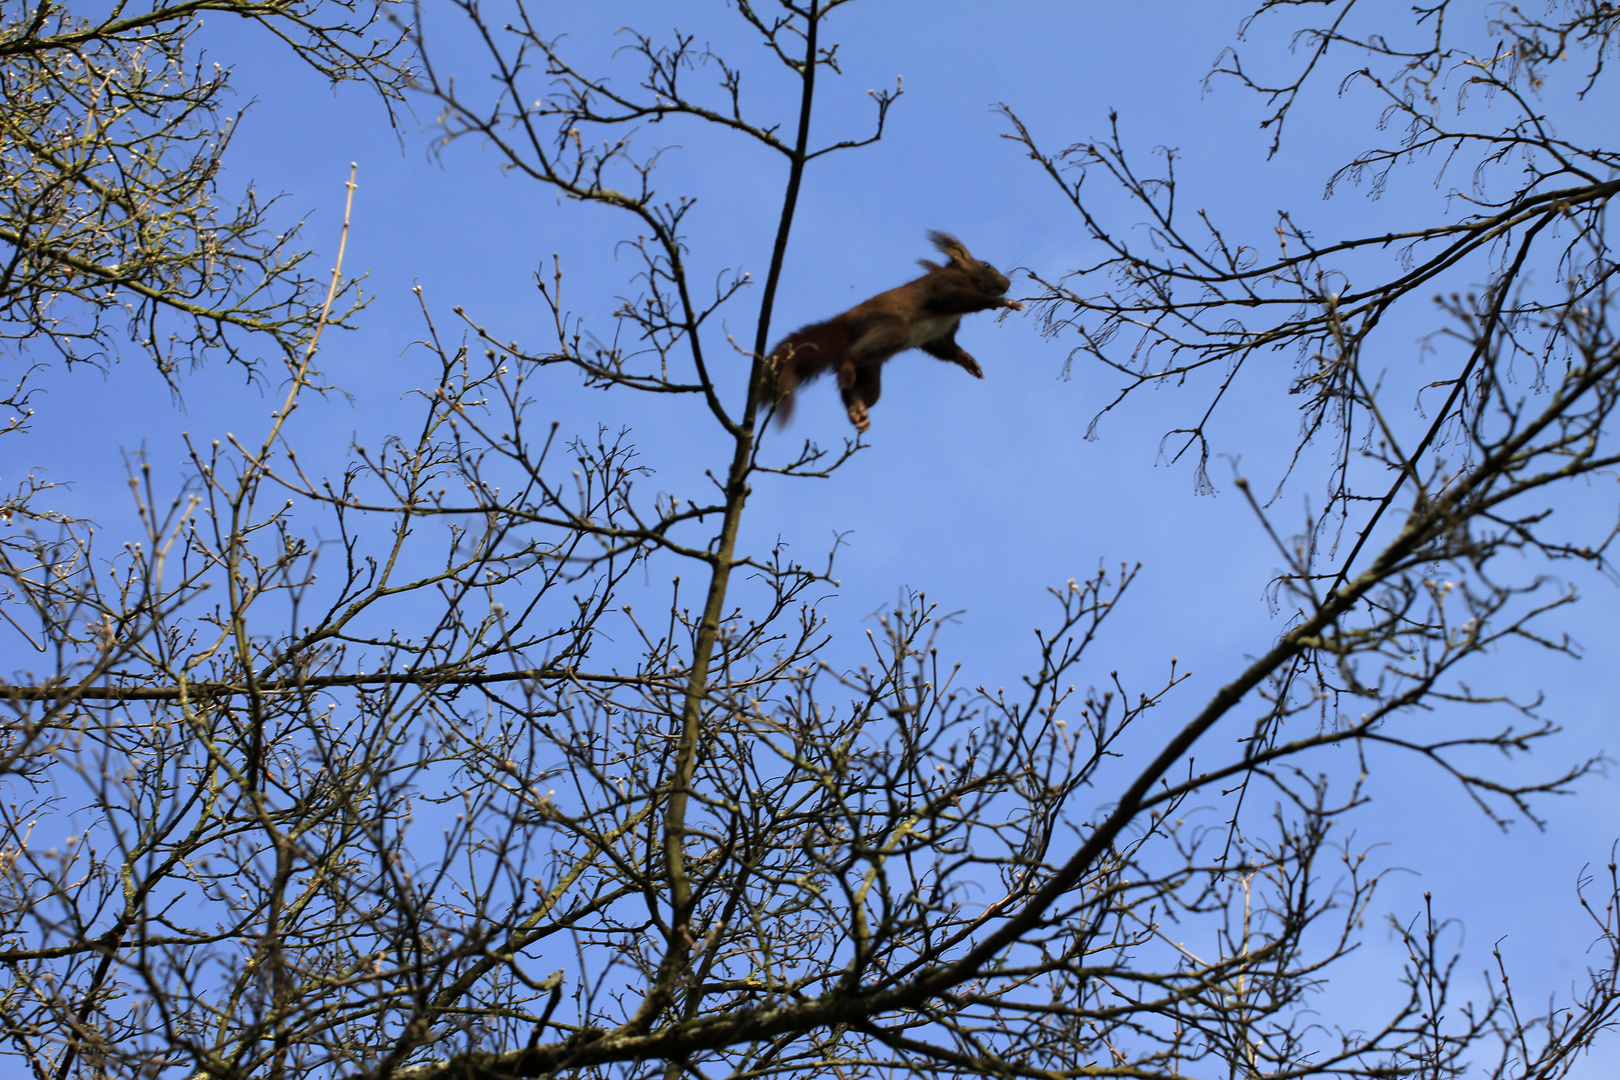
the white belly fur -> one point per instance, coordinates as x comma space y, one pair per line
926, 330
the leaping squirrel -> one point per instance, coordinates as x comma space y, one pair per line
921, 314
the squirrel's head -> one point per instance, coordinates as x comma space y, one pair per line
985, 277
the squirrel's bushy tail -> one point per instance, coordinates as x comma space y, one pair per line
801, 357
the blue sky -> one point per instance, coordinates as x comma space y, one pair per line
982, 494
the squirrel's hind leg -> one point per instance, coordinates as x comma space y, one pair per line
862, 394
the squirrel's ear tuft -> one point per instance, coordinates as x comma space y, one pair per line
951, 246
929, 264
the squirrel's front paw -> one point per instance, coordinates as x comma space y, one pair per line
859, 417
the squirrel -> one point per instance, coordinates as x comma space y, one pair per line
921, 314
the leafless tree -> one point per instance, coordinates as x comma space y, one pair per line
428, 820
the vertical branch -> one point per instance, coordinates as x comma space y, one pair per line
250, 478
680, 885
790, 200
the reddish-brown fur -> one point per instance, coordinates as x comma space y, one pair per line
923, 314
